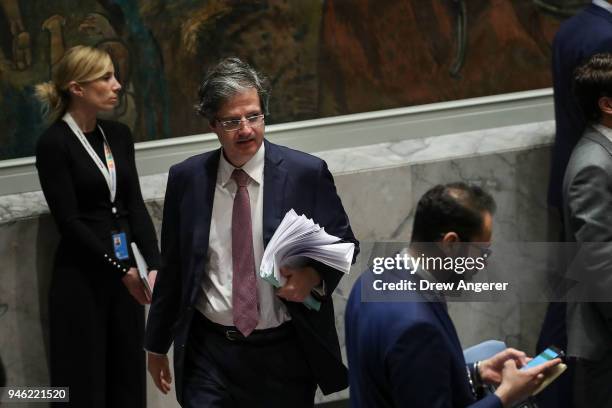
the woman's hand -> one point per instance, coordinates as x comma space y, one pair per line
134, 285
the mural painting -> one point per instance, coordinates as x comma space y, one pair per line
324, 58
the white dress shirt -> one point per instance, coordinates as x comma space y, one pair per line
603, 4
215, 301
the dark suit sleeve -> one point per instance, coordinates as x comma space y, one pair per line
418, 367
589, 199
330, 214
141, 225
166, 294
52, 163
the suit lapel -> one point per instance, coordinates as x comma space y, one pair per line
204, 194
440, 309
275, 177
596, 136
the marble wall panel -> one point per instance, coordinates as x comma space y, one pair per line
378, 203
26, 255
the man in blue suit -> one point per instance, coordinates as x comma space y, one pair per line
407, 353
238, 341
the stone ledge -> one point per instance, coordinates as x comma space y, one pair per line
350, 160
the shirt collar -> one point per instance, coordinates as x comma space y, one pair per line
603, 4
254, 167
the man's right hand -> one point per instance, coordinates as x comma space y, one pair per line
160, 371
517, 385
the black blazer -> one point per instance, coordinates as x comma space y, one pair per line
292, 179
79, 200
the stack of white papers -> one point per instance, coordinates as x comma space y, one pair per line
143, 268
298, 238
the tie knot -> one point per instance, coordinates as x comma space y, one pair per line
240, 177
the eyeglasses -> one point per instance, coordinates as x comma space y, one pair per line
485, 252
235, 124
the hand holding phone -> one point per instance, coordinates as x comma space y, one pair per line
550, 353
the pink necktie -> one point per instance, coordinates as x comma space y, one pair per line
244, 281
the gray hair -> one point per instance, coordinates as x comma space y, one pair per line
228, 78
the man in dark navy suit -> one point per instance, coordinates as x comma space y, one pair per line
238, 341
407, 353
585, 34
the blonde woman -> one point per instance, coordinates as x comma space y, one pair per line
88, 175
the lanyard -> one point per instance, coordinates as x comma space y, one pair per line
110, 174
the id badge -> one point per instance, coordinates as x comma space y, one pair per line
120, 245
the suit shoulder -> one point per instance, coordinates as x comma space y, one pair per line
55, 130
399, 316
589, 164
585, 25
589, 152
116, 130
113, 125
191, 163
53, 137
298, 157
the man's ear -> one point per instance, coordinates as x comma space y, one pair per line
447, 243
605, 105
213, 125
450, 237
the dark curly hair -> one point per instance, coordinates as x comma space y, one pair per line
456, 207
593, 80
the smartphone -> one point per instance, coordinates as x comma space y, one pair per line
550, 353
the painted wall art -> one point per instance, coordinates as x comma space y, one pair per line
323, 58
